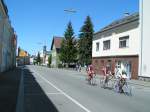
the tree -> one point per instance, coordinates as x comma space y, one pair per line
38, 58
49, 60
68, 52
85, 42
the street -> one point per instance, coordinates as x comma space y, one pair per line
58, 90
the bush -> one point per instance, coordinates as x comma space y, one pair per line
60, 66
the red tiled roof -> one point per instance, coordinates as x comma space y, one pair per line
56, 42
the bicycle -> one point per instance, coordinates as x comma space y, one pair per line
125, 88
91, 79
108, 82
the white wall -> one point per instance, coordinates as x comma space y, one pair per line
145, 38
114, 50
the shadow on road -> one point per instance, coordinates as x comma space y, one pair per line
35, 99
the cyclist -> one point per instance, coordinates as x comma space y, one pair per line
90, 72
106, 75
121, 80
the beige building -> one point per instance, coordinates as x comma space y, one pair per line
55, 50
8, 40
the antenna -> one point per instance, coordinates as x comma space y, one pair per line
70, 10
126, 14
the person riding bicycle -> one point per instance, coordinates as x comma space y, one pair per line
106, 75
121, 79
90, 71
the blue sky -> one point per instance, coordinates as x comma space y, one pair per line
37, 21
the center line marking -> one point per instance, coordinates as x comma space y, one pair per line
69, 97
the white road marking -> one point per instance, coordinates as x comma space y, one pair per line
53, 93
28, 94
69, 97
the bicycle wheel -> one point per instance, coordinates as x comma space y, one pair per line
110, 84
127, 89
102, 83
94, 80
116, 87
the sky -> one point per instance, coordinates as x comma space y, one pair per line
37, 21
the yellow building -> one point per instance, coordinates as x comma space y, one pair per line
23, 53
23, 57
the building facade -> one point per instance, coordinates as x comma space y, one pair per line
23, 57
144, 69
8, 40
55, 50
117, 46
44, 55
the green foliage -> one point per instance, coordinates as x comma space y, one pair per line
85, 42
68, 52
60, 66
49, 60
38, 58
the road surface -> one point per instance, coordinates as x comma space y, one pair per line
58, 90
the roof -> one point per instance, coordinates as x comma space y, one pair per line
120, 22
57, 42
5, 7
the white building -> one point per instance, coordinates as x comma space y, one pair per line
117, 45
44, 54
145, 38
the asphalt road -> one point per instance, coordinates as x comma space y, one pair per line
56, 90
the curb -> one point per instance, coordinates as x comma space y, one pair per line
20, 98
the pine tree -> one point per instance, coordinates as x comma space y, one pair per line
38, 58
49, 60
68, 52
85, 42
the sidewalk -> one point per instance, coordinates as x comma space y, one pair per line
9, 87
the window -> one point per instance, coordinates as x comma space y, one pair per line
124, 42
106, 45
97, 46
